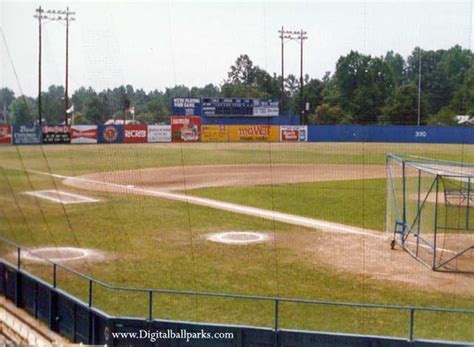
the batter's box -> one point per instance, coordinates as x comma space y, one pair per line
62, 197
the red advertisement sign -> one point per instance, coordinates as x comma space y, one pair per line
5, 135
185, 128
290, 135
135, 134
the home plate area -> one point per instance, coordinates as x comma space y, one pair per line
62, 197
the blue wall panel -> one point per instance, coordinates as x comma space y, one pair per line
390, 133
82, 317
110, 133
43, 305
65, 323
10, 283
28, 295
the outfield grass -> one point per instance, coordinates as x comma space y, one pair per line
161, 244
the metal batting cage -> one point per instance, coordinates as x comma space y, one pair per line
430, 210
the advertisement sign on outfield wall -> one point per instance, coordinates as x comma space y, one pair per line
27, 134
186, 106
214, 133
159, 133
185, 128
243, 133
83, 133
56, 134
110, 133
135, 134
5, 134
293, 133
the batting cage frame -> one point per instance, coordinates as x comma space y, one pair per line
430, 210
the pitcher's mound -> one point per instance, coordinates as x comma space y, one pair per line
61, 254
238, 237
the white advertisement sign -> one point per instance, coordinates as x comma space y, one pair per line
159, 133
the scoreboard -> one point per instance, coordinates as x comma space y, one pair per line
225, 107
239, 107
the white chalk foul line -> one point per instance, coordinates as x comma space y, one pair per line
230, 207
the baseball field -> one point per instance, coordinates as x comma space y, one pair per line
158, 216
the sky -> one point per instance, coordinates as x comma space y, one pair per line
154, 45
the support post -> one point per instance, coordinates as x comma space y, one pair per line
282, 95
418, 214
404, 210
433, 265
150, 305
468, 203
66, 94
54, 276
276, 322
18, 258
412, 322
91, 283
303, 113
40, 16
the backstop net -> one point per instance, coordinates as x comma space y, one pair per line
430, 210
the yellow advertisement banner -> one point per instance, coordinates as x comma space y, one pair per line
214, 133
240, 133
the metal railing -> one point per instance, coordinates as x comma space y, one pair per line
276, 300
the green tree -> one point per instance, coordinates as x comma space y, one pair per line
80, 118
81, 97
442, 74
402, 107
242, 72
52, 105
96, 111
23, 111
327, 114
463, 100
7, 96
446, 116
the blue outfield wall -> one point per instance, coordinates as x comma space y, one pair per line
391, 133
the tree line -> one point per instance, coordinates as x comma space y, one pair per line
363, 89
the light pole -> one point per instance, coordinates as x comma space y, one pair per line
297, 36
419, 87
39, 15
60, 16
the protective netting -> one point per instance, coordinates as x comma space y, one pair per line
429, 210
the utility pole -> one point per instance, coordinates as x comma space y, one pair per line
66, 17
40, 16
60, 16
297, 36
302, 37
419, 86
66, 95
282, 88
